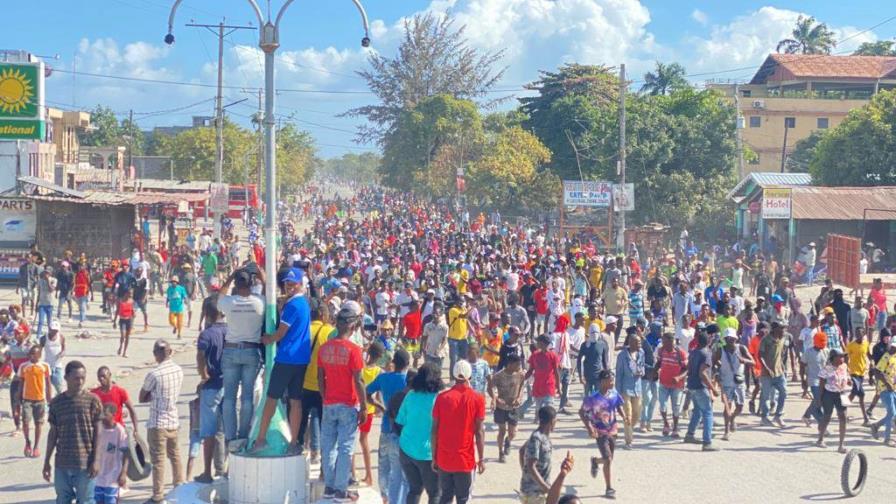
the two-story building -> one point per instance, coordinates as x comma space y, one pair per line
792, 95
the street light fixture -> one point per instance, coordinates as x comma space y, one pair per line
269, 41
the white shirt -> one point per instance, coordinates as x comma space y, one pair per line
513, 281
382, 303
245, 317
404, 298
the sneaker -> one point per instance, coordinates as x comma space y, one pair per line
676, 434
690, 439
710, 448
502, 458
346, 496
766, 422
875, 430
780, 423
595, 466
610, 494
328, 493
506, 446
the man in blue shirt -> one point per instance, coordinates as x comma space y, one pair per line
393, 487
293, 338
209, 350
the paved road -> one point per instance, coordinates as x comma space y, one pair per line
759, 463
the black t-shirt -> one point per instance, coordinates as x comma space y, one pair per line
508, 350
696, 360
527, 295
140, 290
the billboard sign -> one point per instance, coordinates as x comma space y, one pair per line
587, 193
18, 221
22, 101
220, 198
624, 199
776, 203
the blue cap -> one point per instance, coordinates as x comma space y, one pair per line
294, 275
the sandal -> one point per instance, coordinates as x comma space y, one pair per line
27, 451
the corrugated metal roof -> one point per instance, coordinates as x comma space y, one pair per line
124, 198
170, 185
26, 179
844, 203
769, 179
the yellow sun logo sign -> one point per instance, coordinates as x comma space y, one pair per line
17, 92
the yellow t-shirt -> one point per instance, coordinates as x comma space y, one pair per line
600, 324
494, 342
34, 380
858, 357
320, 334
457, 325
596, 275
368, 374
462, 282
887, 366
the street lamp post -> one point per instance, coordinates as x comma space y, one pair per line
269, 41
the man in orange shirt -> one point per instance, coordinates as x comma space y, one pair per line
36, 391
457, 417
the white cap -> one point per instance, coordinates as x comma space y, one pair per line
731, 333
55, 326
611, 320
462, 370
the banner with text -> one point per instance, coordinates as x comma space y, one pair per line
776, 203
588, 193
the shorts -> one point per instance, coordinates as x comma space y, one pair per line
287, 378
830, 401
858, 388
176, 320
125, 324
736, 394
105, 495
195, 444
606, 445
15, 393
34, 410
365, 427
210, 421
506, 416
541, 402
533, 499
140, 305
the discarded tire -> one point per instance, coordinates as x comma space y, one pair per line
139, 466
849, 488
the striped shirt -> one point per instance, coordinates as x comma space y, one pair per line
74, 418
164, 384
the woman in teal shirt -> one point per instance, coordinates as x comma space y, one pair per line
415, 418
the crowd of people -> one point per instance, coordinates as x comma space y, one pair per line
401, 309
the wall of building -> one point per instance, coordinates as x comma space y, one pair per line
98, 231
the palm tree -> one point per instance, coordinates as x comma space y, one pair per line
664, 79
879, 48
809, 37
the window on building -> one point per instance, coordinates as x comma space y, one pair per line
755, 121
790, 122
822, 123
746, 93
755, 160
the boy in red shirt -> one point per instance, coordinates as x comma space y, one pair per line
457, 417
541, 307
544, 365
344, 402
412, 327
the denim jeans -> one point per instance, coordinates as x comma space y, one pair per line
674, 396
82, 308
565, 375
44, 312
457, 349
648, 399
338, 432
56, 376
888, 399
813, 410
702, 411
239, 367
391, 480
73, 485
64, 299
769, 386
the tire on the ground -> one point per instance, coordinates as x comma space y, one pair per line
848, 487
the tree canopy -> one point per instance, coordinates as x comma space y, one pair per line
107, 131
876, 48
860, 151
808, 37
433, 58
664, 79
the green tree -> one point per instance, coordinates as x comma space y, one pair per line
428, 142
664, 79
362, 167
809, 37
877, 48
433, 58
800, 158
295, 157
104, 130
861, 151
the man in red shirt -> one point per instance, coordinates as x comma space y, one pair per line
344, 403
544, 365
541, 307
457, 417
110, 393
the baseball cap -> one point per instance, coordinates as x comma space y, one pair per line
293, 275
55, 326
462, 370
612, 320
242, 278
349, 310
827, 311
175, 279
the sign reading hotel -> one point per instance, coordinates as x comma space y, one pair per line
776, 203
22, 101
587, 193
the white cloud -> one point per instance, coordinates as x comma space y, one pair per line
748, 39
700, 17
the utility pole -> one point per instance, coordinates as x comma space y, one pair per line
787, 126
131, 146
738, 126
620, 238
219, 107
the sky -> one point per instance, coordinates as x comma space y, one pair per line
320, 48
